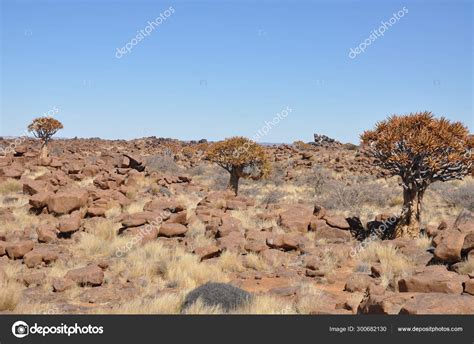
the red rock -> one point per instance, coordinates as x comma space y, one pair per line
70, 223
384, 303
40, 200
449, 244
141, 218
142, 234
65, 202
358, 282
34, 279
179, 217
468, 244
46, 234
286, 242
39, 255
19, 249
433, 279
62, 284
172, 230
228, 224
207, 252
234, 242
319, 212
296, 218
96, 211
89, 275
337, 221
323, 231
32, 187
465, 222
438, 303
469, 286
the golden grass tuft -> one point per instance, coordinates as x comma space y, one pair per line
255, 261
186, 271
10, 186
167, 303
394, 265
230, 262
466, 267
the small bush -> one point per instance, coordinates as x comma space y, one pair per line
222, 295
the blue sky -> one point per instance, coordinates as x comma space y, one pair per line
215, 69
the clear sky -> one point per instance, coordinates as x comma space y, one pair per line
215, 69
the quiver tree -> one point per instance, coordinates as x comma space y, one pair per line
242, 158
44, 128
421, 150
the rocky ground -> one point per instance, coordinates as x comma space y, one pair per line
133, 226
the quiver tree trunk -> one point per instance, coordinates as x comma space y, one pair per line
235, 174
408, 225
44, 150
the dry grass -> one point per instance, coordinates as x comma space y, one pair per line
10, 295
231, 262
197, 235
85, 182
168, 303
186, 271
255, 261
113, 212
10, 186
331, 260
100, 240
311, 298
466, 267
37, 172
137, 206
10, 289
394, 265
265, 304
22, 219
423, 242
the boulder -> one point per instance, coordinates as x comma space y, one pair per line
172, 229
40, 255
433, 279
40, 200
70, 223
337, 221
439, 303
62, 284
90, 275
46, 234
358, 282
449, 244
207, 252
296, 218
383, 303
64, 202
469, 286
19, 249
286, 242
